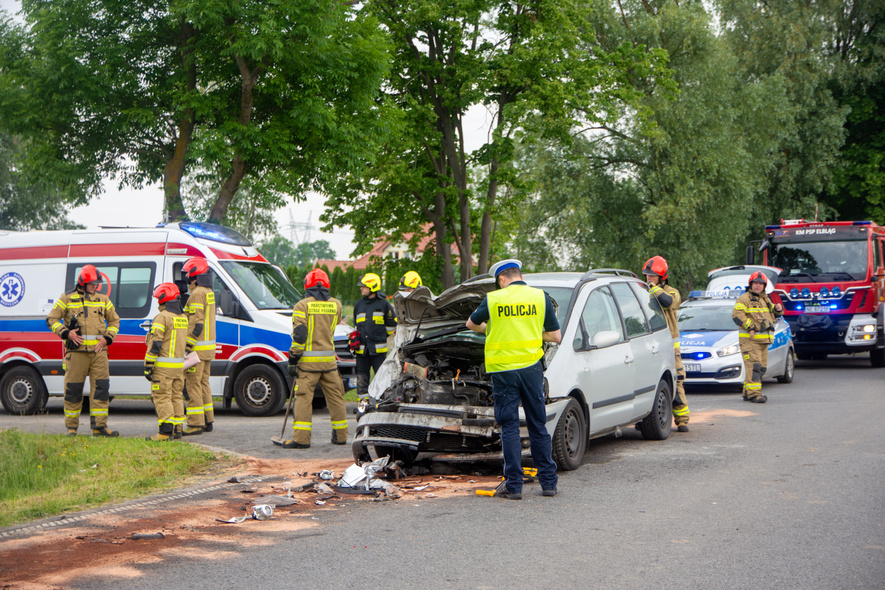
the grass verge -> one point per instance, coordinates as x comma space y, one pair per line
42, 475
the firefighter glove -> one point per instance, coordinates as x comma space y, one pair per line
354, 341
149, 371
293, 364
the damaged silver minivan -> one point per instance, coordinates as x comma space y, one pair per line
614, 367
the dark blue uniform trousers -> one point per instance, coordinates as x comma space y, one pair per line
509, 389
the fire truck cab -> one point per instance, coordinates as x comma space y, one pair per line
831, 284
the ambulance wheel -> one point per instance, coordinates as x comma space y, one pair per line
657, 425
22, 391
570, 437
260, 391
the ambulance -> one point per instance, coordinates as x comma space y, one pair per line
254, 302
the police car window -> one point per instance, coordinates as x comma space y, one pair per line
634, 319
653, 310
601, 314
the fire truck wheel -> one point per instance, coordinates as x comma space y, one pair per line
22, 391
260, 391
877, 357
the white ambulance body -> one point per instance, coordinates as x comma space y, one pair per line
254, 300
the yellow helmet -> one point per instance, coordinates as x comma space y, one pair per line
370, 280
410, 280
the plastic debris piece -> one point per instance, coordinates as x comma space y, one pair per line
234, 520
262, 512
320, 502
234, 479
351, 490
352, 476
140, 536
327, 474
323, 488
421, 488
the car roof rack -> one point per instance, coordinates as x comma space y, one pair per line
613, 271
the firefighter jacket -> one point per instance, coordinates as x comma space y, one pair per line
166, 340
375, 321
515, 330
670, 301
313, 329
755, 312
94, 314
200, 311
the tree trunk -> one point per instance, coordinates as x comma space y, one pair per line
442, 247
238, 164
485, 229
173, 172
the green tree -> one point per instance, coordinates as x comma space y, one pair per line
307, 253
278, 250
531, 64
28, 203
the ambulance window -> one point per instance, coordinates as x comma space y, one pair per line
128, 285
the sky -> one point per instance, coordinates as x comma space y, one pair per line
140, 208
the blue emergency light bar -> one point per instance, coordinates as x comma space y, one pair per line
216, 233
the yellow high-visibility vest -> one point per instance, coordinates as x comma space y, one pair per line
514, 333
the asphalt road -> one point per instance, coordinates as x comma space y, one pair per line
789, 494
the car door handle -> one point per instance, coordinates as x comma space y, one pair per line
654, 349
628, 360
146, 325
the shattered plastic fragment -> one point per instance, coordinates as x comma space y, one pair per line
234, 520
327, 474
276, 501
139, 536
320, 502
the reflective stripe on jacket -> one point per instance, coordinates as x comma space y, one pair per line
375, 320
200, 310
514, 332
319, 318
751, 311
170, 330
95, 315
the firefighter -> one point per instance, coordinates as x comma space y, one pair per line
513, 352
164, 362
312, 361
374, 320
756, 316
410, 281
200, 311
88, 323
657, 274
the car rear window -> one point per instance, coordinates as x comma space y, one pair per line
653, 310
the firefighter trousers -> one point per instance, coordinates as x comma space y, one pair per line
199, 395
78, 366
364, 363
681, 414
167, 386
303, 390
755, 354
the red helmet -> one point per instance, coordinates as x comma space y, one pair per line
656, 265
195, 266
88, 276
316, 276
166, 292
758, 277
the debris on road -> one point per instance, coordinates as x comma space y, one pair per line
144, 536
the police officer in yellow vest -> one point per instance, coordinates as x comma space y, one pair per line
755, 315
312, 361
656, 273
517, 320
164, 362
88, 323
200, 311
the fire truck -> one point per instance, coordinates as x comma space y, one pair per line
831, 284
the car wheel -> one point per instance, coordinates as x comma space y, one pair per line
22, 391
657, 425
259, 391
789, 367
570, 437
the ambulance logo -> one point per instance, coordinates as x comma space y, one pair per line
12, 289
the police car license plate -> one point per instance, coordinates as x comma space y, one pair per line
351, 383
817, 309
692, 368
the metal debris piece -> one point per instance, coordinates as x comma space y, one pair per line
304, 488
323, 488
234, 520
234, 479
320, 502
352, 490
326, 474
276, 501
262, 511
140, 536
421, 488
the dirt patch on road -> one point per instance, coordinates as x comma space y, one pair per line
719, 413
102, 546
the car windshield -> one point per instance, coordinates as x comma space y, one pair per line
264, 284
560, 297
805, 261
697, 318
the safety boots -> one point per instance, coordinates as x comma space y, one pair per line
208, 427
103, 431
71, 432
291, 444
176, 431
159, 437
192, 430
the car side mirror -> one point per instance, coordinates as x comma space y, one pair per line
605, 339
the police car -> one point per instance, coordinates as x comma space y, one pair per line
708, 339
